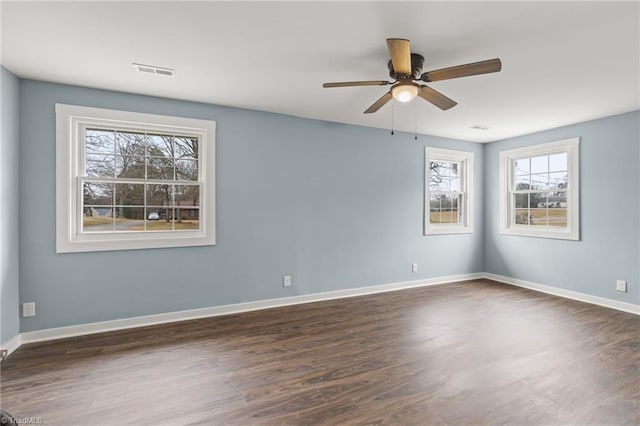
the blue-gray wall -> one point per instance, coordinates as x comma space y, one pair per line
9, 215
609, 246
335, 206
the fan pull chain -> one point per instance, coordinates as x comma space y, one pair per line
391, 119
415, 135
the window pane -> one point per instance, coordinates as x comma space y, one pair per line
159, 195
455, 216
538, 217
99, 141
446, 214
558, 217
460, 206
455, 169
560, 199
160, 168
187, 195
129, 194
558, 180
97, 219
130, 167
558, 162
521, 201
540, 164
439, 177
187, 219
99, 165
157, 220
522, 216
97, 194
187, 169
130, 144
129, 218
160, 146
186, 148
522, 166
454, 184
540, 181
441, 167
446, 201
538, 200
435, 209
522, 183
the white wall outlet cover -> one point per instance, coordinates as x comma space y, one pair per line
414, 267
286, 281
621, 285
29, 309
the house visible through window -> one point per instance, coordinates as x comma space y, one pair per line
540, 190
448, 191
134, 180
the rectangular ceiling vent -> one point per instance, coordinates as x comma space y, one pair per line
479, 127
151, 69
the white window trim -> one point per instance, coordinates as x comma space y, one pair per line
466, 159
572, 231
70, 119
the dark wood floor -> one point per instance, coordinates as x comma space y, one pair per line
466, 353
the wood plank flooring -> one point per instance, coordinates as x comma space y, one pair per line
466, 353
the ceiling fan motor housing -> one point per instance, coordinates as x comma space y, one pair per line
417, 61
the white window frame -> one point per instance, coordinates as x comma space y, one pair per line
507, 158
465, 159
70, 122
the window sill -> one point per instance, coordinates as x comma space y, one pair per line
446, 230
110, 242
542, 232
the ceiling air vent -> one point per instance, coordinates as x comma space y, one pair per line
479, 127
151, 69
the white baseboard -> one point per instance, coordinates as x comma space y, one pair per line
569, 294
12, 344
142, 321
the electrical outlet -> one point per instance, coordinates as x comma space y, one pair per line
286, 281
29, 309
621, 285
414, 267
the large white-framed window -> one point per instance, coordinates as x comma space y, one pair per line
128, 180
539, 190
448, 191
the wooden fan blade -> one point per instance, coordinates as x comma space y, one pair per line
357, 83
400, 52
379, 103
436, 98
475, 68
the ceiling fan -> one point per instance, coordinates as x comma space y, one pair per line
405, 68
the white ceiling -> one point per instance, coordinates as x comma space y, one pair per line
562, 62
